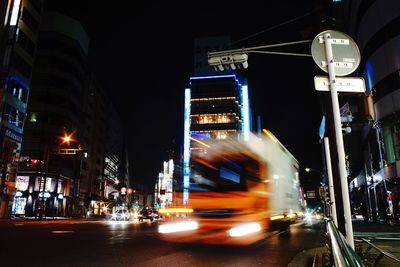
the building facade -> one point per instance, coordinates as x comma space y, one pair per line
69, 179
216, 107
19, 37
55, 109
164, 191
374, 27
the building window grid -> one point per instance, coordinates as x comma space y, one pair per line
36, 4
29, 20
213, 118
26, 43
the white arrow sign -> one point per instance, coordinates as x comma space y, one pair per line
349, 85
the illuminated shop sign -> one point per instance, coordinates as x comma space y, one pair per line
45, 194
21, 183
201, 136
11, 134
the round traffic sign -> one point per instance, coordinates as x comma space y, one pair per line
346, 54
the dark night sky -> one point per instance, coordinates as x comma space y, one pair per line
143, 52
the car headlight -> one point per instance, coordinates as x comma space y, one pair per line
178, 227
244, 229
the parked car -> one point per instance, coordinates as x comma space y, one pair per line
148, 213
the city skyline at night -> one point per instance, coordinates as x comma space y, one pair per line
166, 61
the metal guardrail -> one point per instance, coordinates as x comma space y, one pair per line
342, 254
381, 252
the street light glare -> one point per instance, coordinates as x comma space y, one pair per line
307, 169
67, 138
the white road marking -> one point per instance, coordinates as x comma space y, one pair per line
62, 232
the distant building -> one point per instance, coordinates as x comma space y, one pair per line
164, 185
116, 157
216, 107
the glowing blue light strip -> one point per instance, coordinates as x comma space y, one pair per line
370, 76
212, 77
245, 113
186, 143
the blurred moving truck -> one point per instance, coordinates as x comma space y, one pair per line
239, 190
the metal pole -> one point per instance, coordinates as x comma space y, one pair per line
330, 179
339, 140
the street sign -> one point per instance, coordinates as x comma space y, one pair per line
348, 84
310, 194
338, 55
346, 54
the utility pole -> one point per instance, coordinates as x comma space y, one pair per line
338, 55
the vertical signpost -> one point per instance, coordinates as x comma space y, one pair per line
338, 55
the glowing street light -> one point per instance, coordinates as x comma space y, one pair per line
67, 138
314, 170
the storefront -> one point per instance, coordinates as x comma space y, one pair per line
34, 194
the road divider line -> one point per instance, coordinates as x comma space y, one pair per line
62, 232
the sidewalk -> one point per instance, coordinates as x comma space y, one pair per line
361, 226
306, 257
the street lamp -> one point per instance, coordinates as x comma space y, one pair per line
314, 170
67, 139
321, 192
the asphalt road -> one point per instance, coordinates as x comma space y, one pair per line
102, 243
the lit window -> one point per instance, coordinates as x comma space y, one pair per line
14, 14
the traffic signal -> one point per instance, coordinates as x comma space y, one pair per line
346, 120
221, 61
357, 112
362, 107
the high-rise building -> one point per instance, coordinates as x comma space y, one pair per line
18, 41
55, 109
374, 27
216, 107
164, 186
67, 98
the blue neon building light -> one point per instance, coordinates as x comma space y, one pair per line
370, 76
186, 147
245, 110
212, 77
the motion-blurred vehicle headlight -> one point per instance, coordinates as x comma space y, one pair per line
308, 216
244, 229
178, 227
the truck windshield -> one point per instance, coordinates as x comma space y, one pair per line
217, 176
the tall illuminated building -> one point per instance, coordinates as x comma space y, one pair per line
19, 32
216, 107
164, 186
